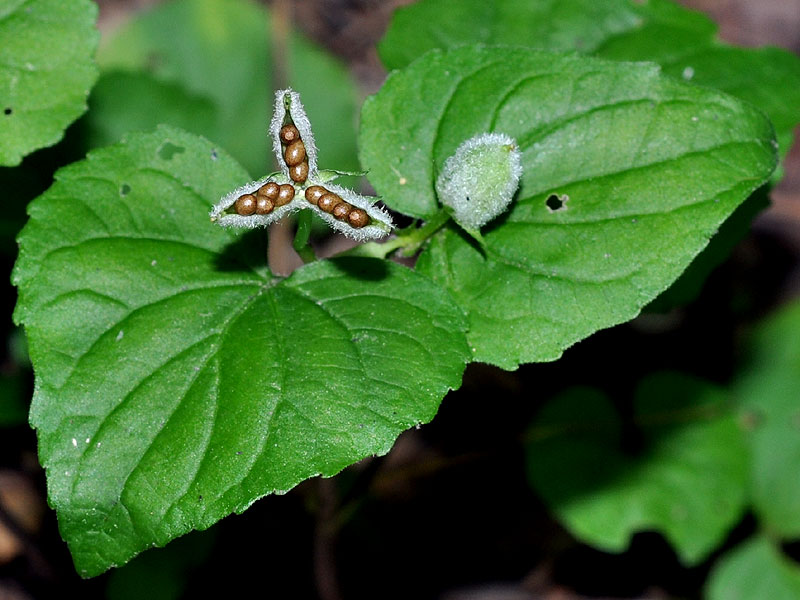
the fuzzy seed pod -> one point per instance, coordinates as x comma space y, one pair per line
269, 190
245, 205
358, 218
478, 182
289, 134
295, 153
285, 194
328, 201
314, 193
264, 205
290, 117
299, 173
341, 210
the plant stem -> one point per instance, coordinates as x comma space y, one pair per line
408, 240
300, 243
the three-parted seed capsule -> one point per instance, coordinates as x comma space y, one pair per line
294, 153
333, 204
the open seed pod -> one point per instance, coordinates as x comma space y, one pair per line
225, 211
290, 117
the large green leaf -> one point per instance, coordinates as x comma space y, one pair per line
177, 380
46, 71
681, 41
689, 480
769, 391
221, 51
651, 167
755, 571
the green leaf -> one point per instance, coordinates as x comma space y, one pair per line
46, 71
128, 101
651, 167
768, 390
683, 42
755, 570
221, 51
689, 481
177, 380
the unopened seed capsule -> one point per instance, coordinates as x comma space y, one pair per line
358, 218
264, 205
328, 201
314, 193
285, 194
289, 134
341, 210
295, 153
269, 190
299, 173
245, 205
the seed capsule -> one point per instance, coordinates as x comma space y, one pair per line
358, 218
314, 193
268, 190
264, 205
342, 210
299, 173
289, 134
295, 153
245, 205
285, 194
328, 201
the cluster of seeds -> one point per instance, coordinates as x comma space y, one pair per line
265, 200
294, 153
333, 204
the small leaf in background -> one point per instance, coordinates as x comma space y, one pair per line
46, 71
649, 168
753, 571
222, 53
769, 392
688, 480
683, 42
177, 380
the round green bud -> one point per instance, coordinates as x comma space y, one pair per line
478, 182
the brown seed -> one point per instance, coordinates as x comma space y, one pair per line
299, 173
285, 194
357, 218
314, 193
295, 153
328, 201
268, 190
289, 134
245, 205
264, 205
341, 210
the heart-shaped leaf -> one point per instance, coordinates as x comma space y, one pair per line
177, 381
683, 42
46, 71
646, 168
689, 479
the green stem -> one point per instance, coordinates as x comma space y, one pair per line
408, 240
300, 242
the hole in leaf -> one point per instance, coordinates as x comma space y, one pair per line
124, 189
167, 150
555, 202
7, 110
213, 155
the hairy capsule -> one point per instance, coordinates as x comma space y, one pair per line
295, 153
314, 193
289, 134
299, 173
328, 201
264, 205
245, 205
268, 190
285, 194
358, 218
341, 210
